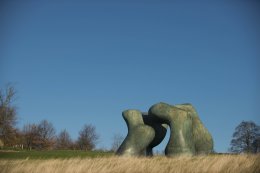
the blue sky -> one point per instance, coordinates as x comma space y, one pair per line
80, 62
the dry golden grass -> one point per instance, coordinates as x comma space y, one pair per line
197, 164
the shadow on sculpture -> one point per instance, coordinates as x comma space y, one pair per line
144, 133
159, 129
146, 130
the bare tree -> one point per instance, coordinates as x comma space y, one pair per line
31, 136
87, 138
39, 136
64, 140
244, 137
116, 141
46, 135
8, 115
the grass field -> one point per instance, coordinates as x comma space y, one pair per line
97, 162
53, 154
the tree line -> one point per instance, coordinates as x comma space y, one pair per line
41, 136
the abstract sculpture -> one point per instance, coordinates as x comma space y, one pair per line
146, 130
201, 137
139, 135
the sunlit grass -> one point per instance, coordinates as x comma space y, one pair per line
157, 164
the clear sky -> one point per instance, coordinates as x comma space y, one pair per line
78, 62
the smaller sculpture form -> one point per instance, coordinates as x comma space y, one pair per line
143, 134
146, 130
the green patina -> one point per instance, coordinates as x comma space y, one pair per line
188, 136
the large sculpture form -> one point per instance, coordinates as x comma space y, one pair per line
146, 130
188, 135
201, 137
